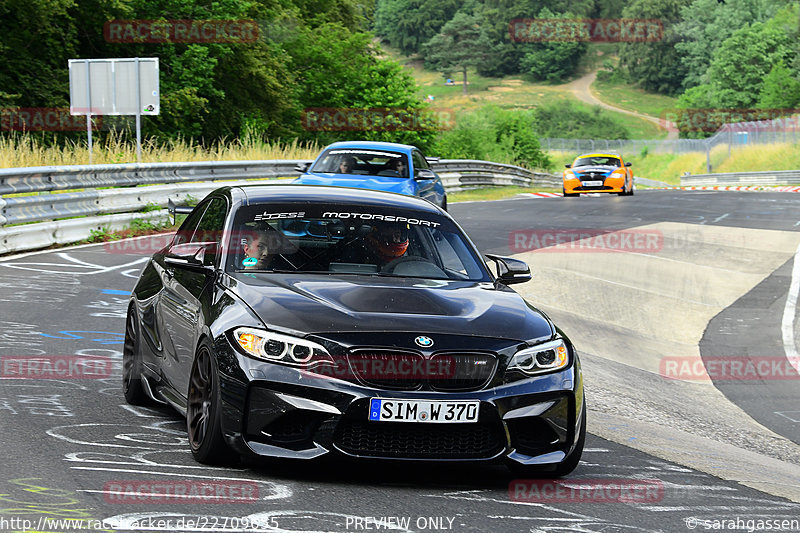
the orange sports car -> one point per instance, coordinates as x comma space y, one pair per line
598, 173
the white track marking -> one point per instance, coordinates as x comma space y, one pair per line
71, 265
789, 313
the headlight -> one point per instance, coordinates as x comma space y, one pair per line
546, 357
282, 349
569, 175
619, 172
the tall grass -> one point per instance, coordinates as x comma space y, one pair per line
23, 150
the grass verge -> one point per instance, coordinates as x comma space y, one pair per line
632, 98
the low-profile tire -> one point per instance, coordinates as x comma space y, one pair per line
132, 362
564, 468
569, 194
203, 411
444, 203
630, 192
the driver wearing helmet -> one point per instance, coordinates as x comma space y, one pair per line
387, 242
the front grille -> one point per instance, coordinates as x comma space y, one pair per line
419, 441
472, 371
594, 188
386, 369
402, 370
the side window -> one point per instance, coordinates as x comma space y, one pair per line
419, 161
185, 232
210, 227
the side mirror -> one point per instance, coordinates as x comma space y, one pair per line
191, 256
302, 167
425, 174
567, 166
628, 164
176, 210
510, 271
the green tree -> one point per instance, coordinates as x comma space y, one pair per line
746, 57
552, 61
407, 24
36, 39
706, 24
656, 65
337, 69
780, 89
460, 44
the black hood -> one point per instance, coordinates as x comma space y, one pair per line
318, 304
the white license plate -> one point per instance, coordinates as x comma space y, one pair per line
592, 183
435, 411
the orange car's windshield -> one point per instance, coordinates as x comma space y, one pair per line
597, 161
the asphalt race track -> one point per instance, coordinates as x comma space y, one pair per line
661, 292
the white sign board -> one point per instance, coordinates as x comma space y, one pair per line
109, 86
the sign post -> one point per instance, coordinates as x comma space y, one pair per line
121, 86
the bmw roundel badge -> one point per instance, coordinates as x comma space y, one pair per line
423, 341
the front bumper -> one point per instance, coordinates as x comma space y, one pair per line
277, 411
610, 184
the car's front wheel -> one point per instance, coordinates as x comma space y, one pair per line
203, 410
132, 362
569, 194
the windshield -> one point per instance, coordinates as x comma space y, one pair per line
598, 160
347, 239
364, 162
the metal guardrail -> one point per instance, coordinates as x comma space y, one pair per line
108, 196
774, 177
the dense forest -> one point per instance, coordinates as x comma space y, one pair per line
307, 54
713, 54
327, 54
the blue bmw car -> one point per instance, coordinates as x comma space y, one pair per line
379, 166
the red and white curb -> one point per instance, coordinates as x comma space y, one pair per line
539, 195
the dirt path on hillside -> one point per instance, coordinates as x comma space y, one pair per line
582, 89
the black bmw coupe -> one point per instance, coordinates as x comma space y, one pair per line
300, 321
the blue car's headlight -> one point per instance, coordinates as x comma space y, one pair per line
279, 348
545, 357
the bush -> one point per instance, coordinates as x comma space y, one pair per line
495, 135
568, 121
